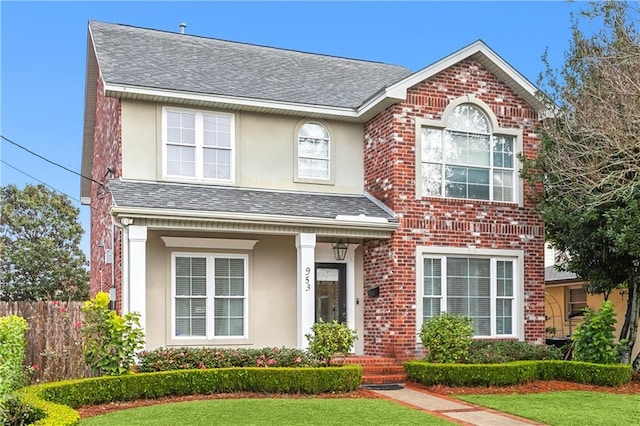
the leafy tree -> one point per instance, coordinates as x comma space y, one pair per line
40, 256
589, 156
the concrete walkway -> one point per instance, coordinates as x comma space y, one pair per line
462, 413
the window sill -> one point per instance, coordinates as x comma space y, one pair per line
177, 179
204, 341
470, 201
314, 181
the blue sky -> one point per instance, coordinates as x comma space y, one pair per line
43, 54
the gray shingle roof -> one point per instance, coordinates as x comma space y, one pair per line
157, 59
175, 196
552, 274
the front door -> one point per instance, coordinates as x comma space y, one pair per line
331, 292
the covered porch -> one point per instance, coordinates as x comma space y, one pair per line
293, 265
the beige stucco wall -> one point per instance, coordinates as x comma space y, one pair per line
271, 291
265, 150
556, 306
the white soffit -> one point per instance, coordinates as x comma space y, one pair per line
209, 243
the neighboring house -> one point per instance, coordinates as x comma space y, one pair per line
250, 191
565, 298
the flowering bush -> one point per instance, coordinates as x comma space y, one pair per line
164, 359
109, 340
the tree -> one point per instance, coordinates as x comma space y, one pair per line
589, 156
40, 256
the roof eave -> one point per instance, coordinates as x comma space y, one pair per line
125, 91
257, 219
478, 50
90, 94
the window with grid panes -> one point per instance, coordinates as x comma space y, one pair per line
210, 295
314, 148
480, 288
577, 301
466, 160
198, 144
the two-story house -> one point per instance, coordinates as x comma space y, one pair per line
247, 192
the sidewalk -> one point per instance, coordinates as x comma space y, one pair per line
460, 412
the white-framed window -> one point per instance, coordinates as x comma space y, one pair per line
464, 156
209, 295
198, 145
314, 152
576, 299
485, 288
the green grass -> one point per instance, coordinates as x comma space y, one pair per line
567, 408
304, 411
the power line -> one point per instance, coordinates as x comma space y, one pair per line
38, 180
50, 161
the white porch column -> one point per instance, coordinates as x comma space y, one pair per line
138, 272
305, 243
351, 287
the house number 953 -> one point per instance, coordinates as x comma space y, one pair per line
307, 279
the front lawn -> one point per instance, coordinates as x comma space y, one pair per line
566, 408
304, 411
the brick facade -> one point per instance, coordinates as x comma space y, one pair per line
390, 162
107, 152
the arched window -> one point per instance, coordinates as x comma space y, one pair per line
314, 148
465, 159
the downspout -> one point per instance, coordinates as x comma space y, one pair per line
123, 225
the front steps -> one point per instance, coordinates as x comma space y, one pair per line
378, 370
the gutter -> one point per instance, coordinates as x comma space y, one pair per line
357, 222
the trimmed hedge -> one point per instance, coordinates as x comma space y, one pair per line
585, 372
58, 399
184, 358
517, 373
498, 352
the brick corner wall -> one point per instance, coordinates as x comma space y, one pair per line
389, 151
107, 152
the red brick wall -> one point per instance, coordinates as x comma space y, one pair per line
107, 152
390, 176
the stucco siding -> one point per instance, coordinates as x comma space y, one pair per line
556, 307
271, 292
265, 150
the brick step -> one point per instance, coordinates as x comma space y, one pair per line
380, 379
382, 369
365, 360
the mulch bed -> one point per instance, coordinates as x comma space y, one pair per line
632, 387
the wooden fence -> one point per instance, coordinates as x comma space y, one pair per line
54, 340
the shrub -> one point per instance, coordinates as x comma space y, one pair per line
328, 339
56, 398
15, 412
492, 352
517, 373
12, 353
109, 340
471, 374
165, 359
593, 340
446, 338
